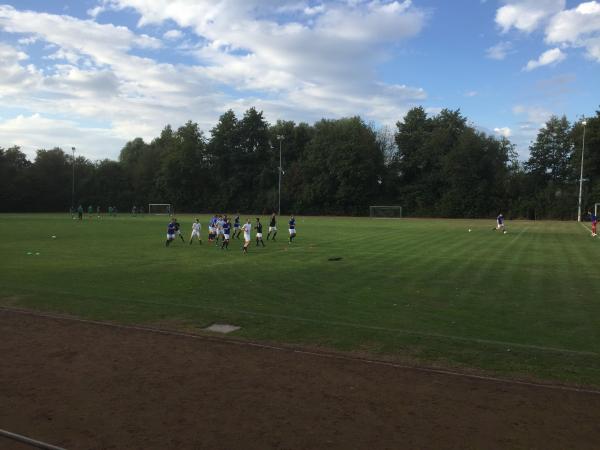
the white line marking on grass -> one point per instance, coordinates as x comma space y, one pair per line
326, 355
335, 323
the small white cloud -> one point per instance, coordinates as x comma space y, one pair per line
578, 27
173, 35
527, 15
552, 56
536, 116
504, 132
471, 94
95, 12
499, 51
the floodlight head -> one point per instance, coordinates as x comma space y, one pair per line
584, 123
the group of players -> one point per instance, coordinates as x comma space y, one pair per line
220, 227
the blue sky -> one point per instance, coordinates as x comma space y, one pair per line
96, 73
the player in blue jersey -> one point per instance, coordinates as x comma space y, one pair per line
171, 232
292, 228
258, 227
226, 233
178, 230
236, 227
500, 223
211, 228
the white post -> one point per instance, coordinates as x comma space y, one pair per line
279, 138
584, 123
73, 180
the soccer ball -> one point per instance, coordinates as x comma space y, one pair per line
469, 230
504, 231
53, 237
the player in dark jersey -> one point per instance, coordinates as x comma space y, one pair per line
272, 227
236, 227
258, 228
178, 230
171, 232
226, 233
292, 228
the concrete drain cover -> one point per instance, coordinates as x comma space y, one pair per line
222, 328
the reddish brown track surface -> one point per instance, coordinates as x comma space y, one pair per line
86, 386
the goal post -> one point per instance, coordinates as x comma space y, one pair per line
596, 207
163, 209
385, 212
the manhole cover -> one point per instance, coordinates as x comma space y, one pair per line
222, 328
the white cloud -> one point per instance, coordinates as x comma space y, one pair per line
38, 132
471, 94
320, 63
526, 15
535, 116
552, 56
499, 51
173, 35
504, 131
578, 27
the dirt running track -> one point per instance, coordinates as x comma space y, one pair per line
87, 386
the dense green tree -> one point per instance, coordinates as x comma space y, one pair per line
14, 182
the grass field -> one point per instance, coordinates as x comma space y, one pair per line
524, 304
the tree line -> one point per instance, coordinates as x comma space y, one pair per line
431, 165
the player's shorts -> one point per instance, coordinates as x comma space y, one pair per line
195, 233
211, 230
247, 237
272, 229
170, 236
219, 232
292, 231
178, 232
258, 235
226, 236
500, 225
236, 226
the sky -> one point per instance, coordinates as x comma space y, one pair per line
94, 74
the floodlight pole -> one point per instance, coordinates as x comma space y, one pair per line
280, 138
73, 181
584, 123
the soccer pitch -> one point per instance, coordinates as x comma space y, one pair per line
426, 292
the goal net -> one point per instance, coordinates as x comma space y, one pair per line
385, 211
159, 208
596, 207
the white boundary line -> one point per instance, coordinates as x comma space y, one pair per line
343, 324
325, 355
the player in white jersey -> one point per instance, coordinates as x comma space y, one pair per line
219, 229
196, 230
247, 227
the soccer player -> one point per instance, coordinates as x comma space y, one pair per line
134, 210
171, 231
178, 230
196, 230
219, 228
500, 222
211, 229
90, 211
80, 212
258, 228
98, 211
226, 233
594, 221
272, 227
236, 227
292, 228
247, 235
